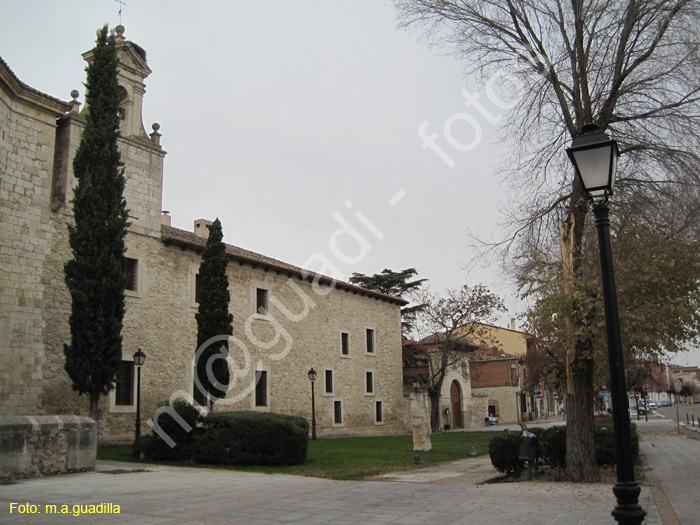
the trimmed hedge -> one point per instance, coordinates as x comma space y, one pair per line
553, 444
251, 438
152, 445
605, 443
504, 450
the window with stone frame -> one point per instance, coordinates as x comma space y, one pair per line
261, 388
370, 340
337, 413
197, 282
369, 382
124, 390
378, 417
261, 301
345, 343
132, 266
328, 383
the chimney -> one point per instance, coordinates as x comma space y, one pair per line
165, 217
512, 323
200, 228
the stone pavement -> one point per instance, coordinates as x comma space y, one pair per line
673, 470
445, 494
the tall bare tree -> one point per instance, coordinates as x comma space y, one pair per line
453, 326
631, 67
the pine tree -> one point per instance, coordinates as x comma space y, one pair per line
95, 276
213, 317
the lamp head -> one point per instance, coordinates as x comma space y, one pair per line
594, 155
139, 358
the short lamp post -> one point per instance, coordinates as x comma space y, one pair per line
416, 385
594, 155
139, 360
312, 377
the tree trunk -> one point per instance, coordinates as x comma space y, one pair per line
580, 442
95, 409
434, 410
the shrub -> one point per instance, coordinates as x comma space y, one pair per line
504, 451
152, 445
605, 443
553, 445
252, 438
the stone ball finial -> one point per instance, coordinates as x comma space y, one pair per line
155, 126
120, 30
75, 94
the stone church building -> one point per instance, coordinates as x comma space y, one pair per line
286, 320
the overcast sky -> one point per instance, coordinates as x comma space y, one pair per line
292, 120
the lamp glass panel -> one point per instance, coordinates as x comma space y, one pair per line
594, 166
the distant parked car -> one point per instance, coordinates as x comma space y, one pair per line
665, 403
493, 420
652, 405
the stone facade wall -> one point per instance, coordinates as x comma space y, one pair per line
302, 330
27, 142
32, 446
507, 399
479, 409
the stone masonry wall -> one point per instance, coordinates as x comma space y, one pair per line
32, 446
27, 139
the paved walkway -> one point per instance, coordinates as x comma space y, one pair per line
673, 474
446, 494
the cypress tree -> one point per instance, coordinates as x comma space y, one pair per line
213, 317
96, 274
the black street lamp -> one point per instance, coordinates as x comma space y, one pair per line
594, 155
139, 360
312, 378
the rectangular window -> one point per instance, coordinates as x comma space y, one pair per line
197, 282
337, 413
345, 343
378, 411
132, 266
261, 388
261, 301
370, 341
369, 382
329, 381
124, 391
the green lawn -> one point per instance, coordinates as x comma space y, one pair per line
354, 458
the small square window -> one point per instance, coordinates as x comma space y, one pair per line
369, 382
131, 271
378, 411
337, 413
261, 301
345, 343
124, 391
329, 381
370, 341
261, 388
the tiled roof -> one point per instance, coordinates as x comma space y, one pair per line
185, 239
30, 89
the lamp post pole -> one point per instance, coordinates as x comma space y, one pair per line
312, 378
594, 155
626, 490
139, 359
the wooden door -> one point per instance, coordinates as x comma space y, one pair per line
456, 399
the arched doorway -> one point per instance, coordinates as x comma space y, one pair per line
456, 400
